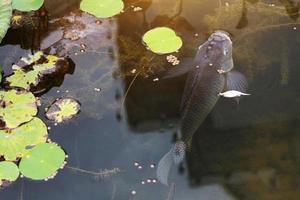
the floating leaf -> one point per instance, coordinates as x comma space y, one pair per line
38, 72
27, 5
15, 142
162, 40
42, 161
5, 15
16, 107
102, 8
63, 109
9, 171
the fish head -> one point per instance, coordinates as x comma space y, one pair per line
216, 52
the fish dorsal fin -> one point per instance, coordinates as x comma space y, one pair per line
236, 81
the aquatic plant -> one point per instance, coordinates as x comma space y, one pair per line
27, 5
5, 15
162, 40
9, 171
42, 161
17, 106
63, 109
14, 143
37, 72
102, 8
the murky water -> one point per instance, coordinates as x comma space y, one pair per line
247, 151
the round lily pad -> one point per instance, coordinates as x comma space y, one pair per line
16, 142
102, 8
27, 5
63, 109
9, 171
16, 107
162, 40
5, 16
42, 161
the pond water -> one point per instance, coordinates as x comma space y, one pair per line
249, 150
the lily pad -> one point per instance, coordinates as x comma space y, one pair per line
42, 161
38, 72
102, 8
162, 40
63, 109
5, 16
14, 143
16, 107
9, 171
27, 5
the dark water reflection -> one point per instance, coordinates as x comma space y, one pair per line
246, 151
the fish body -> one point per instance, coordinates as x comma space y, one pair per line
209, 75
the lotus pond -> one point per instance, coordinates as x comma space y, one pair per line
86, 113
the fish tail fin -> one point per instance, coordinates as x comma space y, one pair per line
174, 156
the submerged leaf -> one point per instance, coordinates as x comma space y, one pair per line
27, 5
15, 142
162, 40
5, 16
102, 8
16, 107
38, 72
63, 109
9, 171
42, 161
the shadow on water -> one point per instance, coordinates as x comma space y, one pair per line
245, 151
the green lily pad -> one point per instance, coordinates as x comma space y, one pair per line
15, 143
162, 40
27, 5
102, 8
9, 171
5, 16
16, 107
37, 73
63, 109
42, 161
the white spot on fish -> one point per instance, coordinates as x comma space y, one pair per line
232, 94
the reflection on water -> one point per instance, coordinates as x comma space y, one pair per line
245, 151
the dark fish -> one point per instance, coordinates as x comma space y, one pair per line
210, 74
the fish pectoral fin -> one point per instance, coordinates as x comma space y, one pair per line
184, 67
236, 81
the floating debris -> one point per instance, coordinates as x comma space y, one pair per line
136, 9
63, 109
133, 192
173, 59
233, 94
